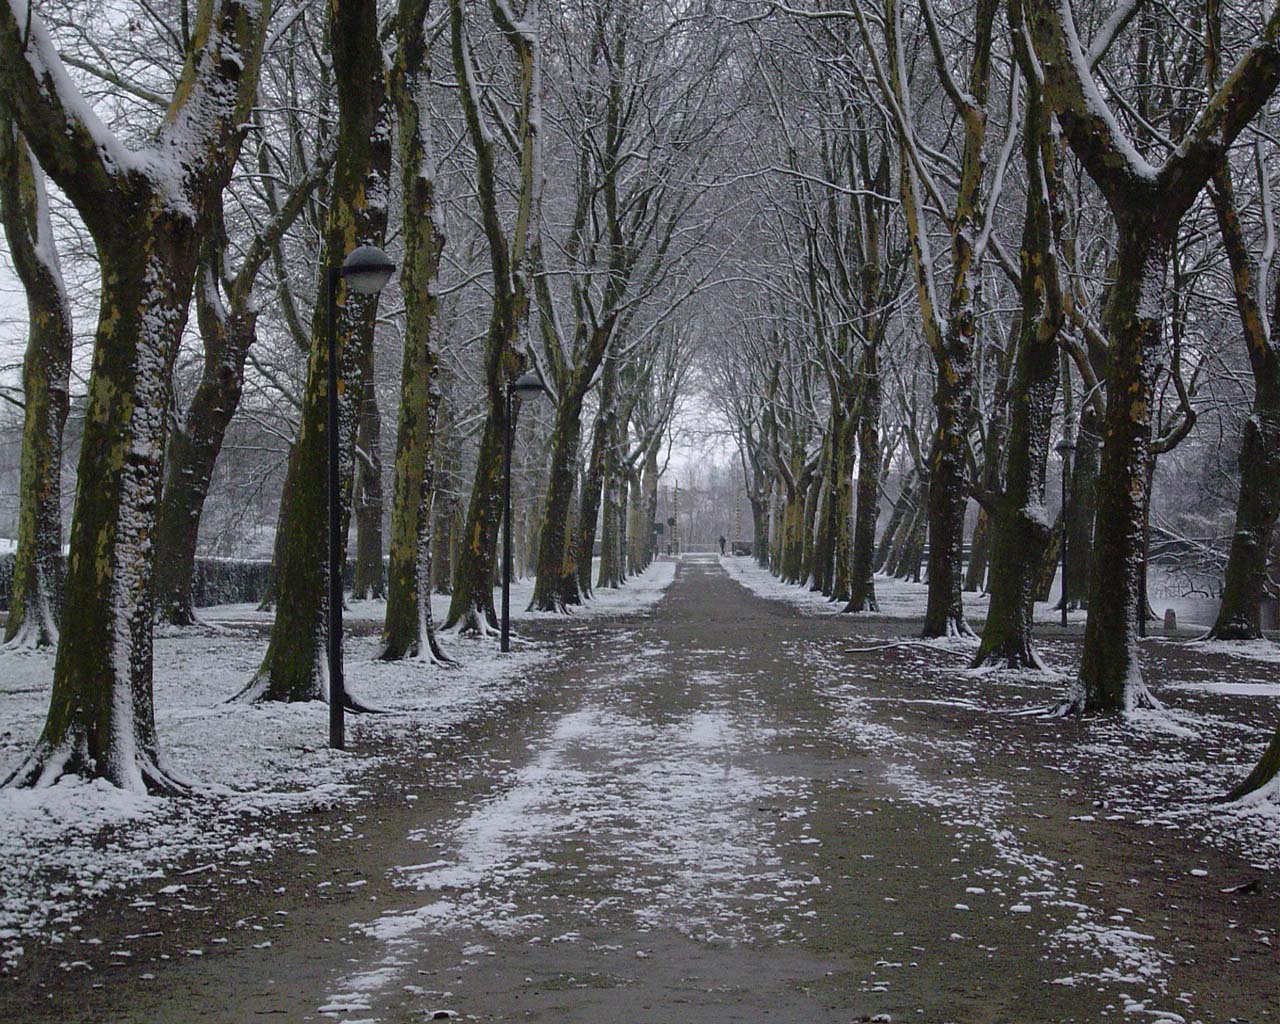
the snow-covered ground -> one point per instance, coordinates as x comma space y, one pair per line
902, 599
1167, 767
61, 847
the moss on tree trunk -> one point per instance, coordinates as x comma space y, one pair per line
36, 595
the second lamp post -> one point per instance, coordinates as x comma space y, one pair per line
524, 385
366, 270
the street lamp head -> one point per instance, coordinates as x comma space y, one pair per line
367, 269
527, 384
1063, 447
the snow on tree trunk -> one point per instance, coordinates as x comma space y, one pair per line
510, 254
408, 630
862, 596
35, 600
144, 209
1021, 529
294, 667
555, 548
1110, 676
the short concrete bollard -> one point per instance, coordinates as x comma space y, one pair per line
1170, 621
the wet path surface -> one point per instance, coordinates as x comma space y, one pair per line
708, 824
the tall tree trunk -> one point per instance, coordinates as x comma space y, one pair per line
101, 720
592, 490
471, 608
1110, 676
35, 599
1258, 502
793, 529
474, 576
948, 501
409, 630
613, 526
901, 514
862, 595
1021, 529
623, 525
294, 667
635, 524
448, 522
1080, 514
821, 563
650, 487
556, 581
808, 528
842, 515
194, 447
759, 530
593, 480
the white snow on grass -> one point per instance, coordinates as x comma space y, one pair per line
897, 599
64, 846
981, 811
634, 597
905, 599
1251, 650
1249, 689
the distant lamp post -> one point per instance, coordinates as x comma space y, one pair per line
366, 270
525, 385
1064, 448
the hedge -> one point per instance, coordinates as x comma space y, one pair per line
217, 581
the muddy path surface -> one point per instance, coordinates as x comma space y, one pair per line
716, 813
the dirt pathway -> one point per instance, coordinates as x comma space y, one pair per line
715, 818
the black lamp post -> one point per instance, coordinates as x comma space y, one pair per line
366, 270
1064, 448
524, 385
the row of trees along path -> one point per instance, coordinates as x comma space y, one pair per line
884, 150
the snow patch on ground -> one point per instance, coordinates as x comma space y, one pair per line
660, 818
65, 846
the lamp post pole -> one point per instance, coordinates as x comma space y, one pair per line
1064, 448
337, 689
505, 644
366, 270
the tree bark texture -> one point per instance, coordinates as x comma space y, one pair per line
1110, 677
408, 630
35, 600
146, 226
1082, 496
294, 667
1258, 502
194, 447
471, 607
552, 589
862, 593
1021, 529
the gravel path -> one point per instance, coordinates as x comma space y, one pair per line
715, 814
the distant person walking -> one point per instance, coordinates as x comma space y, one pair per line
722, 544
